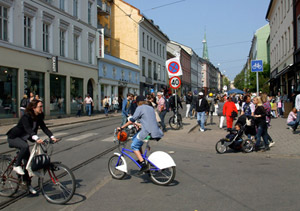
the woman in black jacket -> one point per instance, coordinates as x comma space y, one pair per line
26, 129
261, 124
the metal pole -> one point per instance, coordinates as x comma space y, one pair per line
257, 85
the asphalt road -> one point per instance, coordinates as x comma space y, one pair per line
204, 180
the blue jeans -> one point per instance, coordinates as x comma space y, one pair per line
124, 120
162, 115
136, 143
262, 132
292, 123
106, 110
201, 119
88, 109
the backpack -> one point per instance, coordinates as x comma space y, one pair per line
167, 104
24, 103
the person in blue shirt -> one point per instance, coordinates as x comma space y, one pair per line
125, 107
146, 115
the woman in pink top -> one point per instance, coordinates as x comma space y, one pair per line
291, 120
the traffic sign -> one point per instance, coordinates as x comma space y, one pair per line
175, 82
257, 66
174, 67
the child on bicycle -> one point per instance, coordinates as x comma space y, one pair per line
26, 129
146, 115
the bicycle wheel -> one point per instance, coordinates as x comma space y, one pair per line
220, 147
163, 176
9, 179
58, 184
174, 124
112, 163
248, 145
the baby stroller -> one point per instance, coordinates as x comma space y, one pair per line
235, 140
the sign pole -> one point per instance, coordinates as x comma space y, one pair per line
257, 84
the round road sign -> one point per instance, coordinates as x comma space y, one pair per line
173, 67
175, 82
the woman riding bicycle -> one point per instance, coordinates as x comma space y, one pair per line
146, 115
26, 129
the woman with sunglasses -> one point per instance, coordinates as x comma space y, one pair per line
26, 129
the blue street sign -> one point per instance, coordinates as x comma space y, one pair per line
257, 66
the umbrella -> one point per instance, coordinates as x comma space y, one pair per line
236, 91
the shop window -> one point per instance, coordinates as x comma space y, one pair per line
57, 95
76, 88
8, 95
34, 82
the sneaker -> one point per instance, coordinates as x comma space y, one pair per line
290, 128
201, 130
31, 190
144, 167
272, 144
19, 170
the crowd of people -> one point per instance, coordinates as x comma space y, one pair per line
255, 112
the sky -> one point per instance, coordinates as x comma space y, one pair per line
229, 25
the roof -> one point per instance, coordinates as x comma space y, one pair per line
269, 8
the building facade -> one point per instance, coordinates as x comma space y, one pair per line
295, 76
47, 48
280, 17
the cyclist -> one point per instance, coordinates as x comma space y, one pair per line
26, 129
146, 115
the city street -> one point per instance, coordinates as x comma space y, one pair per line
204, 179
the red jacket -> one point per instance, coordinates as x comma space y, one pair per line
228, 108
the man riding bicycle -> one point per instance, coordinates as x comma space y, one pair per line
26, 129
146, 115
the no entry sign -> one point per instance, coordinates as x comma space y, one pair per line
175, 82
174, 67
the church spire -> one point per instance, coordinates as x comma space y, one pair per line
205, 50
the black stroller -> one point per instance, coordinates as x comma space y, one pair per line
236, 140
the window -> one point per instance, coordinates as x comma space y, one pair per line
147, 42
143, 39
154, 46
289, 33
157, 48
90, 51
104, 70
75, 8
27, 31
90, 12
130, 76
159, 72
62, 5
149, 68
3, 23
160, 50
62, 42
114, 73
45, 37
150, 44
143, 66
123, 75
75, 44
163, 52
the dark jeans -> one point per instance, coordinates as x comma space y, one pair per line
78, 113
262, 132
106, 110
24, 150
162, 115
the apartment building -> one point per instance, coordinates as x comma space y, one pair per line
47, 48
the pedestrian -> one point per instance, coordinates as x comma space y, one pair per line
115, 104
248, 107
31, 96
292, 119
220, 112
88, 101
189, 99
267, 107
37, 97
260, 122
125, 108
162, 110
211, 104
133, 105
172, 103
279, 104
105, 104
79, 106
202, 109
23, 104
228, 111
297, 106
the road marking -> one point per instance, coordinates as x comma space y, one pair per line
109, 139
82, 137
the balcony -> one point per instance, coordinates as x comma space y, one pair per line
103, 8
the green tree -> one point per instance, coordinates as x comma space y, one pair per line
239, 81
226, 82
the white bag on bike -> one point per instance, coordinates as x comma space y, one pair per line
36, 150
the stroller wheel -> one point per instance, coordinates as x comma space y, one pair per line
220, 147
248, 145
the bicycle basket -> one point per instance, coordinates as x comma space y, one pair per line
39, 162
122, 136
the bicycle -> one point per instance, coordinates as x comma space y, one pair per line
56, 181
175, 121
162, 168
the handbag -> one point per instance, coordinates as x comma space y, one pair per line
40, 162
234, 114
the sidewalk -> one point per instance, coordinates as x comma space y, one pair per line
63, 121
